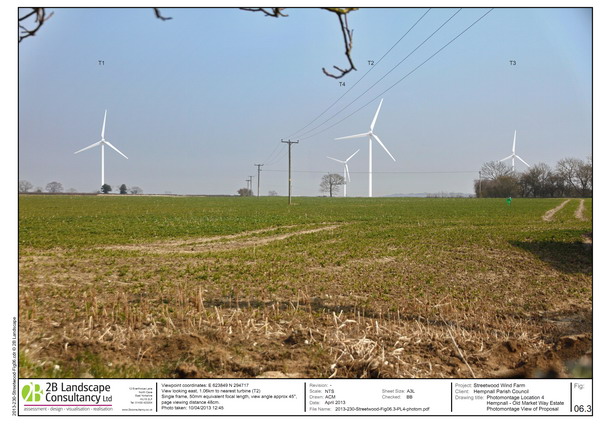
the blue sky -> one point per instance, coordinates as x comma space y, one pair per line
196, 101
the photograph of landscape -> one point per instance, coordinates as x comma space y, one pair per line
305, 193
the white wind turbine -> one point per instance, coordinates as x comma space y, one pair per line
371, 135
101, 143
346, 170
514, 155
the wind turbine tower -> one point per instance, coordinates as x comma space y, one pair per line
346, 170
514, 155
371, 135
102, 143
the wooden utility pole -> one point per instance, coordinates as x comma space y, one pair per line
258, 188
480, 184
289, 143
250, 184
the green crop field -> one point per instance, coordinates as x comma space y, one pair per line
144, 286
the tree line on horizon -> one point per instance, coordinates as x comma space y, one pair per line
570, 177
56, 187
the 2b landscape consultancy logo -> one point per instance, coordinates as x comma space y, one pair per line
31, 393
52, 393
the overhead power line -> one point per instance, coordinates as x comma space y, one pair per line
380, 79
401, 79
278, 152
361, 78
376, 172
278, 156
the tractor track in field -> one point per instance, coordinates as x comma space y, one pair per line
221, 243
549, 215
579, 212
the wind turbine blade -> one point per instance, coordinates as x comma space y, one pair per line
514, 141
347, 171
353, 136
376, 113
104, 123
115, 149
337, 160
517, 156
508, 157
352, 155
88, 147
384, 148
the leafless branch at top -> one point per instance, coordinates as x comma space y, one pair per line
159, 16
40, 19
275, 12
342, 14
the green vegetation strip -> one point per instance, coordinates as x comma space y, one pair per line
401, 271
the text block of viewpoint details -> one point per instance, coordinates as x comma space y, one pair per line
298, 397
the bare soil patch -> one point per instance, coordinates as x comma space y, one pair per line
587, 239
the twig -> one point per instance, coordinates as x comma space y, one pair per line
274, 13
40, 19
159, 16
342, 14
460, 352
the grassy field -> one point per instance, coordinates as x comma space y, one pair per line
124, 286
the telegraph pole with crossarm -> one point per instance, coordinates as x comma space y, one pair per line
258, 182
289, 143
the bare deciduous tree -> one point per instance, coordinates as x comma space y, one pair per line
577, 175
330, 183
567, 169
571, 178
584, 175
54, 187
501, 186
245, 192
492, 170
24, 186
536, 180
